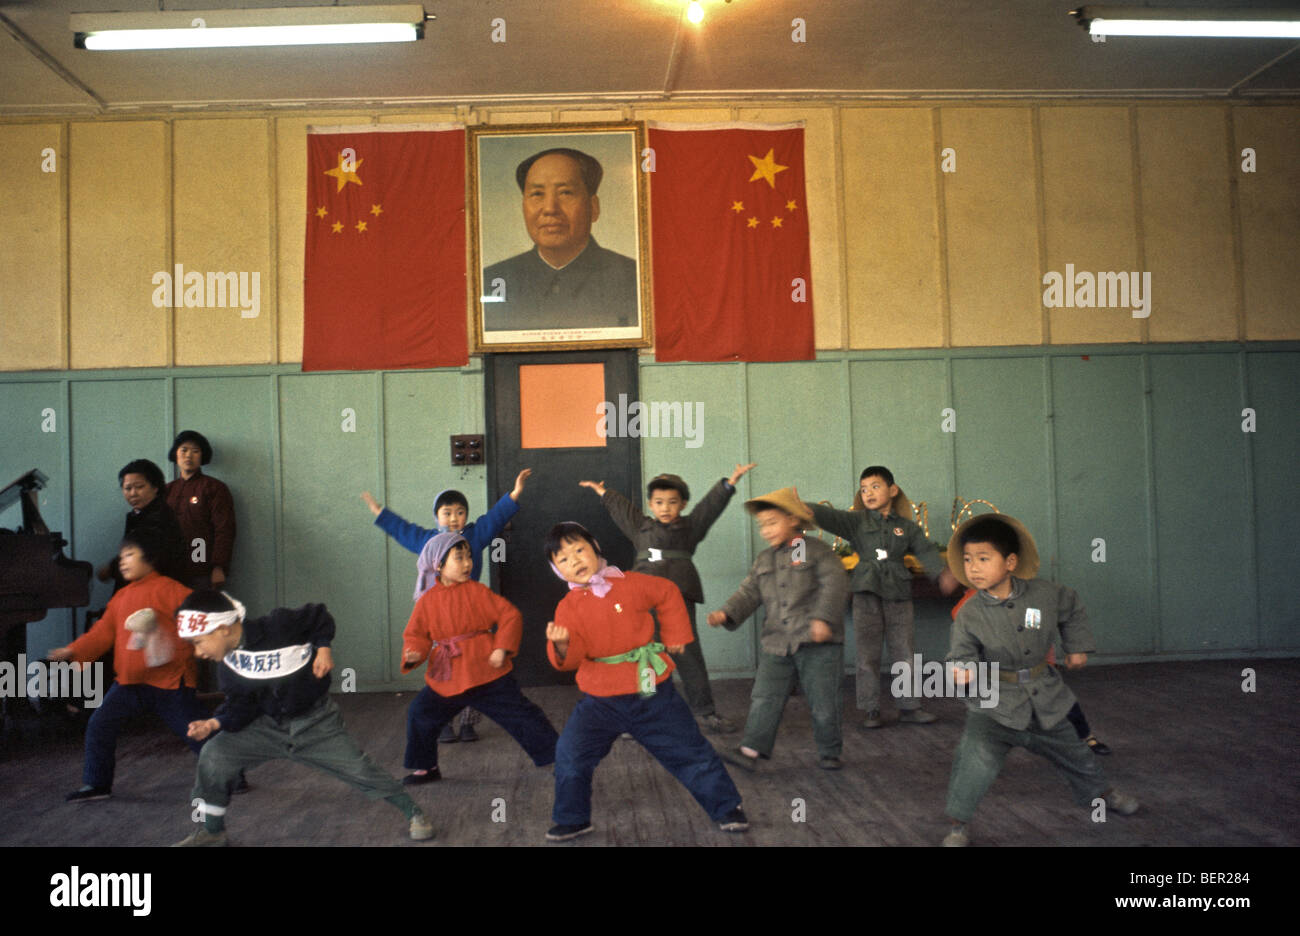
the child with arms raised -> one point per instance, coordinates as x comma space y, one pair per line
664, 542
451, 513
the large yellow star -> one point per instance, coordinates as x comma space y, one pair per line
344, 174
766, 168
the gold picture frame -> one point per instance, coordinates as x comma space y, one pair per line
599, 297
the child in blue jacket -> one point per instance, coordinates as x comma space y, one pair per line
450, 511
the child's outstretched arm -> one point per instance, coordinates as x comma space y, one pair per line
622, 511
373, 504
713, 503
519, 484
843, 523
739, 606
410, 536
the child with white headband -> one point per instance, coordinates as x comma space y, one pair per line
275, 674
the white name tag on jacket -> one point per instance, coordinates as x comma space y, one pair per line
268, 664
881, 555
1033, 618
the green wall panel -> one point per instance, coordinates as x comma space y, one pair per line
237, 414
1202, 514
723, 559
1001, 442
1275, 447
1101, 493
422, 410
326, 554
113, 422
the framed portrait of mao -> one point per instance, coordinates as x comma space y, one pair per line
559, 237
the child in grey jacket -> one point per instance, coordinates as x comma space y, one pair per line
802, 586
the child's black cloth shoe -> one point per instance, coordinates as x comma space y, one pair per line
562, 833
415, 779
88, 793
734, 821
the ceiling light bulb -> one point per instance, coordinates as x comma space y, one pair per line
694, 12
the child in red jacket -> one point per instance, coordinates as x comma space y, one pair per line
604, 630
468, 633
155, 673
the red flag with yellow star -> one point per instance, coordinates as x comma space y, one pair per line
385, 268
729, 231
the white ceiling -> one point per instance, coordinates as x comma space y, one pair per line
642, 51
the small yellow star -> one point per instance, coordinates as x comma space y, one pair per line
737, 206
376, 210
361, 227
766, 168
790, 206
776, 222
338, 227
321, 211
753, 222
343, 173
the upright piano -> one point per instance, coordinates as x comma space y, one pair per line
35, 575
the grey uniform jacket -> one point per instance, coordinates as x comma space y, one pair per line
1016, 633
871, 535
794, 595
684, 534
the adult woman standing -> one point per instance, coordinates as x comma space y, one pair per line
206, 512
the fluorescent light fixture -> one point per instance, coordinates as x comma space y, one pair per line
1182, 21
207, 29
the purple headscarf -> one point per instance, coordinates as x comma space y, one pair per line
435, 550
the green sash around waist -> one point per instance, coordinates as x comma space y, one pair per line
646, 659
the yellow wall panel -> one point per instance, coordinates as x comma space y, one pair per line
1269, 200
291, 225
118, 176
995, 293
502, 118
822, 185
1089, 214
222, 226
33, 272
895, 294
1187, 223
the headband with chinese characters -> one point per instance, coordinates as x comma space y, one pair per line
191, 624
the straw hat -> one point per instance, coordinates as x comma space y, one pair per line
783, 499
1026, 555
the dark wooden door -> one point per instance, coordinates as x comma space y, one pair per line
552, 493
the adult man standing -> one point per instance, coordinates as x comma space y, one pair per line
567, 280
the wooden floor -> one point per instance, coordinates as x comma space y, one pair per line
1212, 766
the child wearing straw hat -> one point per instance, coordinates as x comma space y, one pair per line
801, 584
1010, 625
